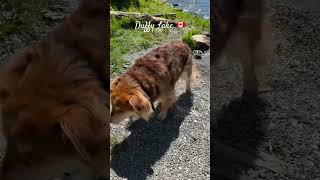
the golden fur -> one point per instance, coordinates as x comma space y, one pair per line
52, 94
151, 78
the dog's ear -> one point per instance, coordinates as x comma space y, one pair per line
87, 135
141, 105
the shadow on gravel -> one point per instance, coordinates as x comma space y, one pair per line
148, 142
239, 132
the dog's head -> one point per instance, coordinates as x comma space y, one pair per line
42, 111
128, 99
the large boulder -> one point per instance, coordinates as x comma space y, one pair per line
202, 41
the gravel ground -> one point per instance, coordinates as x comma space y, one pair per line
18, 41
284, 123
178, 147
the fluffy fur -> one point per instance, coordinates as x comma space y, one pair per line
151, 78
242, 31
52, 94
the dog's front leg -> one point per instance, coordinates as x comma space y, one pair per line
250, 83
166, 103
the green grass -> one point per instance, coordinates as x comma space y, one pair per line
20, 15
125, 39
187, 37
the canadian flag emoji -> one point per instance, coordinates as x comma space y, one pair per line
181, 24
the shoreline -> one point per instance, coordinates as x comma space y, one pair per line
204, 16
126, 40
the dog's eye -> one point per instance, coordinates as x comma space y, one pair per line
116, 108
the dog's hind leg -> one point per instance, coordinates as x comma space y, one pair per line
188, 74
249, 65
250, 83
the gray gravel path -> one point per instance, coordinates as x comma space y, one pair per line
177, 148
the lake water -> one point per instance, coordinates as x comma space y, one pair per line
200, 7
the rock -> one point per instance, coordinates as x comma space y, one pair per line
53, 16
206, 34
202, 41
197, 57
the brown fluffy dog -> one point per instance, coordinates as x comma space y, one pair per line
242, 32
151, 78
52, 94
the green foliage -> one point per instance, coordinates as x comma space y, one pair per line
124, 39
187, 37
121, 5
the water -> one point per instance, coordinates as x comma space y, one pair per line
200, 7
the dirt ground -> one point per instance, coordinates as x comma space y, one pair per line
278, 135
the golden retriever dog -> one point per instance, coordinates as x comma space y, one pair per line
242, 32
53, 95
151, 79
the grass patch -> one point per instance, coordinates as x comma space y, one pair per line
125, 39
187, 37
124, 4
19, 15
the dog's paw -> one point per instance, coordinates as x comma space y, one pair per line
249, 94
264, 89
188, 88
